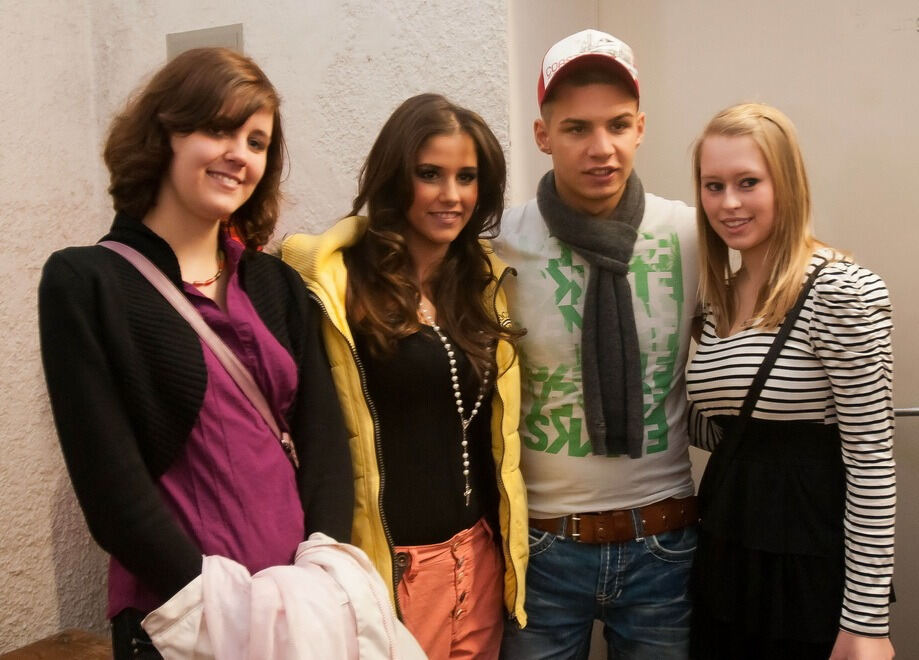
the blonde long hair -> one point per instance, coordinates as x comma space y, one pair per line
792, 242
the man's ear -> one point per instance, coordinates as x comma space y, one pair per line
640, 125
541, 134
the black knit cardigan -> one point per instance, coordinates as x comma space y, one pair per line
126, 378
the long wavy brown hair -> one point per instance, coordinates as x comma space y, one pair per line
383, 297
203, 88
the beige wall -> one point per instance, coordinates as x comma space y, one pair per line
51, 188
533, 26
845, 71
341, 66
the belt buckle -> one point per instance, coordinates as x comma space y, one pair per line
575, 526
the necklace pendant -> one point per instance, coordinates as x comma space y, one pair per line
467, 493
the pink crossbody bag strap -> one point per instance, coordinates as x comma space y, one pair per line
227, 357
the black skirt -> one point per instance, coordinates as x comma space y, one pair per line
769, 569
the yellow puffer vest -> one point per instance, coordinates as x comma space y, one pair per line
319, 261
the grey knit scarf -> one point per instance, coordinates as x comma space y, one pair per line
610, 358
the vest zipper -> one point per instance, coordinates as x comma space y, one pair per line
503, 489
504, 322
396, 568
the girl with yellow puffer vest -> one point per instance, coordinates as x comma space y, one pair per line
421, 349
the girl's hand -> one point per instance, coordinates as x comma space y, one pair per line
849, 646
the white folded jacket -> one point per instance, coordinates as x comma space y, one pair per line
329, 604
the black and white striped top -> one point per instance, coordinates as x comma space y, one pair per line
836, 367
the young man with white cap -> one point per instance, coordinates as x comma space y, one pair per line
606, 288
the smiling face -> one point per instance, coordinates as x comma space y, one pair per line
445, 190
213, 173
737, 193
592, 133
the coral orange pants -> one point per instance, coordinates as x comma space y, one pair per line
451, 595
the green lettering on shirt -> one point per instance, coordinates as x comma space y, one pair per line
658, 287
541, 387
568, 279
661, 268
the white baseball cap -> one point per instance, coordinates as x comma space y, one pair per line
586, 48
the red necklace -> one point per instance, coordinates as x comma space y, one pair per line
220, 264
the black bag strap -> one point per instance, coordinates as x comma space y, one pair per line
733, 438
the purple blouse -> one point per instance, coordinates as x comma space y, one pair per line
232, 488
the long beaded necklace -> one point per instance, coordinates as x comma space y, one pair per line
458, 397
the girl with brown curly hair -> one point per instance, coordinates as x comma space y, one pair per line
169, 459
420, 346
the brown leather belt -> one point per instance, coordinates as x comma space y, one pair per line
625, 524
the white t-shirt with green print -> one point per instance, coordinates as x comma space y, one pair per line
547, 298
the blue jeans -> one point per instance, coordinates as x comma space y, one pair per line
638, 589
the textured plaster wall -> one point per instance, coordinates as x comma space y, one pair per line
341, 66
50, 195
